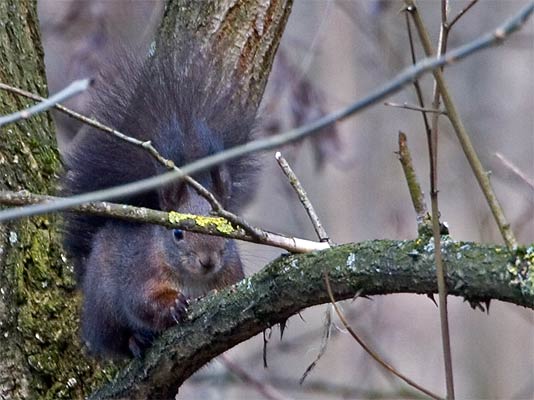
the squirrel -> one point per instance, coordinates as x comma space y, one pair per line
136, 278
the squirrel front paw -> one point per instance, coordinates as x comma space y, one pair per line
178, 310
165, 307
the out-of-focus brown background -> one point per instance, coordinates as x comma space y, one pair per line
333, 53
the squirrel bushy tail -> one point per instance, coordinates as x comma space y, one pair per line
183, 103
136, 278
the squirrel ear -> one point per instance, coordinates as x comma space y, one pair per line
171, 195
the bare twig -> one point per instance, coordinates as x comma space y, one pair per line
73, 89
264, 389
327, 330
433, 153
508, 164
416, 193
441, 268
323, 237
393, 86
450, 24
303, 197
482, 177
147, 145
407, 106
416, 85
366, 347
200, 224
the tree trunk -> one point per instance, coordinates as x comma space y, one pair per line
243, 34
40, 352
40, 355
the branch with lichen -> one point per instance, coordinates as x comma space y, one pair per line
463, 137
390, 87
416, 193
209, 225
478, 273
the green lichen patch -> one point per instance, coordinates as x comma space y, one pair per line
220, 224
47, 307
521, 268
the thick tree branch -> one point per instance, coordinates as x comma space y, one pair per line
292, 283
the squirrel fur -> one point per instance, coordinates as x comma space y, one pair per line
136, 278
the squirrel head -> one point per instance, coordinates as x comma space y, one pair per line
200, 262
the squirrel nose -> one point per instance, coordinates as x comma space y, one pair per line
209, 262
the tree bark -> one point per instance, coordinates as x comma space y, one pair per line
292, 283
40, 352
243, 34
40, 355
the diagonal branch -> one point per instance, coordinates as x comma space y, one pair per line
369, 350
73, 89
478, 169
393, 86
293, 283
218, 226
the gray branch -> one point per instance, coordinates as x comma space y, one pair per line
292, 283
396, 84
73, 89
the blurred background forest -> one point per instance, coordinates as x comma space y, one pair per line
334, 52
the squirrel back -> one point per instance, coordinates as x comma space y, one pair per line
136, 278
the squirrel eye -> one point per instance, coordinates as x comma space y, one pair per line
178, 234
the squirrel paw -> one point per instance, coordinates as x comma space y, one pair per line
179, 309
166, 308
141, 340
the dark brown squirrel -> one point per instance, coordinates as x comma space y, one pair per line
136, 279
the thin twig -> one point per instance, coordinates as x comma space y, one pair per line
441, 268
449, 25
147, 145
498, 35
323, 237
325, 340
512, 167
303, 197
73, 89
315, 387
416, 193
393, 86
215, 225
366, 347
407, 106
433, 152
266, 390
421, 102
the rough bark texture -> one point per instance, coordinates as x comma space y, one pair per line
40, 355
244, 33
39, 351
291, 283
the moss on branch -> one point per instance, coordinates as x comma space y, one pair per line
289, 284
